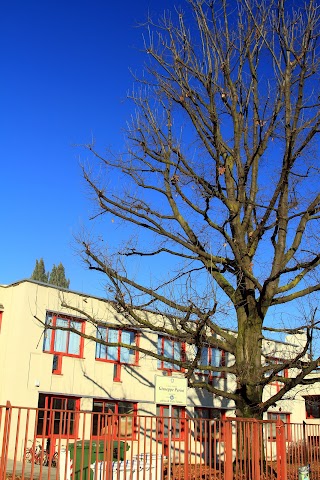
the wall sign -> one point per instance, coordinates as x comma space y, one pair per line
170, 390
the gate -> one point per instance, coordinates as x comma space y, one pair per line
34, 445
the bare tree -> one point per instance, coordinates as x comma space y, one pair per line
218, 189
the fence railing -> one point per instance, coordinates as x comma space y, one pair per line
80, 445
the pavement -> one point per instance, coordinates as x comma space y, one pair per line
33, 472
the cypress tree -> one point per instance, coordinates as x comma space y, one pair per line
58, 276
39, 273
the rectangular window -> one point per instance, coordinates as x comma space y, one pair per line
122, 419
57, 416
312, 406
284, 417
273, 362
63, 342
117, 354
178, 422
57, 365
172, 349
208, 423
212, 357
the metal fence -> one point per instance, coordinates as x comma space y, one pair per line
79, 445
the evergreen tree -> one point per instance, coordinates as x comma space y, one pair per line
58, 276
39, 272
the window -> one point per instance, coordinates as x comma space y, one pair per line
178, 422
63, 342
212, 357
57, 365
1, 312
273, 362
118, 354
312, 406
122, 423
208, 423
285, 417
170, 348
57, 416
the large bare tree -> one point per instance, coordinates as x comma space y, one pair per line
217, 192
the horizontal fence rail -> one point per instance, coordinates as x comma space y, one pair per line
56, 444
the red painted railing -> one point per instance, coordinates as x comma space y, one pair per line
81, 445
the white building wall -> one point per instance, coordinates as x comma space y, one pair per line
27, 371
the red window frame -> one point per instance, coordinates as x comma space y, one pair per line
209, 423
178, 423
276, 383
54, 317
209, 375
57, 364
1, 312
117, 362
161, 351
286, 418
120, 331
56, 418
118, 421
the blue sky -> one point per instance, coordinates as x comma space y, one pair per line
65, 74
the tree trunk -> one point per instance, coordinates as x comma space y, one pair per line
248, 360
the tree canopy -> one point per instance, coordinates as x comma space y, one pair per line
39, 272
216, 194
56, 277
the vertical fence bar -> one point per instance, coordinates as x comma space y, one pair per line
281, 450
255, 450
228, 450
186, 448
5, 440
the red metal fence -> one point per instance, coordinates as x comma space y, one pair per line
79, 445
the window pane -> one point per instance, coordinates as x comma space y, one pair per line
178, 416
125, 352
167, 352
60, 337
97, 406
313, 406
169, 349
101, 350
215, 357
125, 408
74, 344
112, 352
41, 405
215, 360
74, 339
204, 357
124, 425
203, 360
159, 351
176, 351
126, 422
99, 419
47, 334
127, 355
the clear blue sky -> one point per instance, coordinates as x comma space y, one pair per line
64, 77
